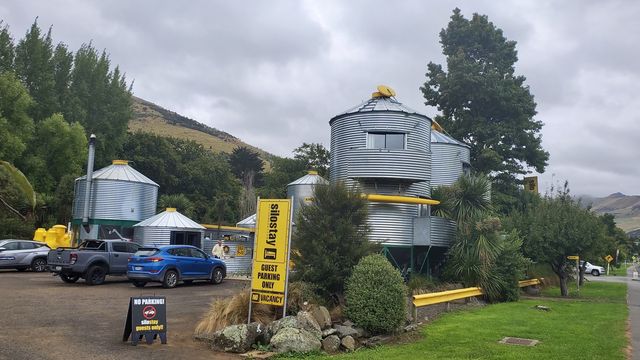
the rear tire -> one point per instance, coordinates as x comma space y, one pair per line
217, 276
170, 279
39, 265
595, 272
69, 279
139, 284
96, 275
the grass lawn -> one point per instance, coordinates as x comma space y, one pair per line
621, 271
591, 327
593, 291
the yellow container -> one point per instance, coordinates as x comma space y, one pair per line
62, 238
40, 234
52, 238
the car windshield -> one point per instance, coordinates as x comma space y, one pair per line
146, 252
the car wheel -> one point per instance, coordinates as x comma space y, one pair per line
216, 276
139, 284
595, 272
39, 265
96, 275
170, 279
69, 279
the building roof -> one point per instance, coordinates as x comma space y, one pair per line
438, 137
380, 104
312, 178
170, 218
120, 170
248, 222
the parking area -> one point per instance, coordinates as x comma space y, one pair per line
43, 318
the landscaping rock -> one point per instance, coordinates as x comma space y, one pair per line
322, 316
347, 323
360, 333
275, 326
295, 340
343, 331
329, 331
377, 340
331, 344
235, 338
348, 343
542, 307
306, 321
411, 327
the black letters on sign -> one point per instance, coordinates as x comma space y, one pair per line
147, 316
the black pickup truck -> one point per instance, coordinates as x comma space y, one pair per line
93, 260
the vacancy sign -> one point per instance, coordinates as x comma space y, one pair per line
271, 255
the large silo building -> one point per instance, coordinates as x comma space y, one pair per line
301, 190
168, 228
119, 197
384, 148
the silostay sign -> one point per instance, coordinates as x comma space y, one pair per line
271, 256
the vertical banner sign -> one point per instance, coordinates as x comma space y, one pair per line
531, 184
147, 316
271, 255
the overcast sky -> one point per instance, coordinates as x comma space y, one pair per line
274, 72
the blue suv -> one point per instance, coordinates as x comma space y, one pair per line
171, 264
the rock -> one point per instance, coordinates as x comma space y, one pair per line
306, 321
322, 316
360, 333
275, 326
542, 307
331, 344
410, 327
327, 332
343, 331
348, 343
347, 323
234, 338
295, 340
377, 340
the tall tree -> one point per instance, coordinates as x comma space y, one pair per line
34, 66
7, 50
16, 126
483, 102
316, 156
62, 65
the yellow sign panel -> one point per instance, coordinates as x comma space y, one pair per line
573, 257
269, 273
609, 258
531, 184
241, 251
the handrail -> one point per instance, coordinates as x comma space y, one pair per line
450, 295
397, 199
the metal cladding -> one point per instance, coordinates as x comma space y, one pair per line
302, 189
118, 192
451, 155
248, 222
391, 171
156, 230
443, 231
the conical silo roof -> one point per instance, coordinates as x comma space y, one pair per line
120, 170
312, 178
248, 222
438, 137
172, 219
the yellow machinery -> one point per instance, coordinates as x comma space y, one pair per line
57, 236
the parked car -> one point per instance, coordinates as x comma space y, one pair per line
23, 255
594, 270
170, 264
93, 260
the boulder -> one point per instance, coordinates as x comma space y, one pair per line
327, 332
234, 338
275, 326
306, 321
331, 344
348, 343
343, 331
322, 316
295, 340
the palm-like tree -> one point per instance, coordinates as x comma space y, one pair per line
22, 184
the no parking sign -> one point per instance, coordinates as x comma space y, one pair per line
147, 316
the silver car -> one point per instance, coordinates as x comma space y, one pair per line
23, 255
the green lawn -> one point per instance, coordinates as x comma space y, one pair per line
574, 328
593, 291
621, 271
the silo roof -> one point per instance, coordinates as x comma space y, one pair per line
171, 219
120, 170
249, 221
438, 137
312, 178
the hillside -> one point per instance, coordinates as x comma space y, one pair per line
149, 117
626, 209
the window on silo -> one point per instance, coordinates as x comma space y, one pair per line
380, 140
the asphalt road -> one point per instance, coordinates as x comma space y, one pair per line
43, 318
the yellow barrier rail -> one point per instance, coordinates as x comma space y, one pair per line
450, 295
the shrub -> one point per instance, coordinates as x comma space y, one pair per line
510, 267
419, 284
299, 293
376, 295
233, 311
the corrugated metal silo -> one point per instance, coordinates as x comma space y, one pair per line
302, 189
168, 228
453, 158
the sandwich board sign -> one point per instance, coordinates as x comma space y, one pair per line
271, 255
147, 317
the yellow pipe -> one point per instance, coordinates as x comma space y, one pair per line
224, 227
400, 199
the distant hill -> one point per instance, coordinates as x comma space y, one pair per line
625, 208
149, 117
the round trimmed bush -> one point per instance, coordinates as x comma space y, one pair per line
376, 295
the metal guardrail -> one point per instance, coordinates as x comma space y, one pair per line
450, 295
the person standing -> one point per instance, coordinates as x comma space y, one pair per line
218, 250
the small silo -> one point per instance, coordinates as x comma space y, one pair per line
452, 159
383, 147
301, 190
168, 228
120, 197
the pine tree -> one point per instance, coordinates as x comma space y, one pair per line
7, 50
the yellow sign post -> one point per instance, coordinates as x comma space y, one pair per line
609, 259
531, 184
271, 256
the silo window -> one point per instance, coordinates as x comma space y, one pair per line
379, 140
466, 168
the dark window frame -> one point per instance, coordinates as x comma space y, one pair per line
373, 138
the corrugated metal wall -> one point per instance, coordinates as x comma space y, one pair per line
236, 264
300, 193
116, 200
448, 167
155, 236
443, 231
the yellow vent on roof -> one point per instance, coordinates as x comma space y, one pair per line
171, 209
120, 162
312, 172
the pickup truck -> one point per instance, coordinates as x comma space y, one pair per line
93, 260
